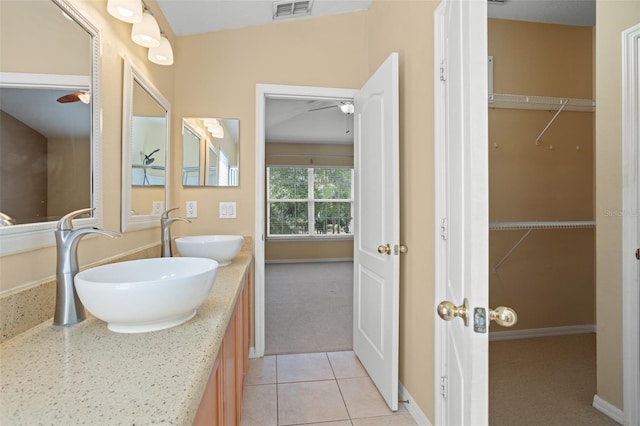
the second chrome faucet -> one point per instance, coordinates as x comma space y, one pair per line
165, 228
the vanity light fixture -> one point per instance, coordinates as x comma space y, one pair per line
163, 54
146, 32
125, 10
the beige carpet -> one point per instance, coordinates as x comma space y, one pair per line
544, 381
308, 307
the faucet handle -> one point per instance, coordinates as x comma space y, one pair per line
165, 215
66, 222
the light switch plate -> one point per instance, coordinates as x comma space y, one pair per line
227, 210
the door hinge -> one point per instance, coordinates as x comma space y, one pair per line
443, 74
443, 387
444, 229
638, 254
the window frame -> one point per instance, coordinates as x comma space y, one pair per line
310, 200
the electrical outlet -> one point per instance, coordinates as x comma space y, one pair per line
192, 209
157, 207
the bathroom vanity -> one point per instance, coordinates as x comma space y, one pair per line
189, 374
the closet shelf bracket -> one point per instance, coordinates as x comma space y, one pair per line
564, 104
530, 226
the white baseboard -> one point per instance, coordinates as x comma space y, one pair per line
412, 406
252, 352
541, 332
608, 409
323, 260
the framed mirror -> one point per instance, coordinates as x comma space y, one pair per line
50, 153
210, 151
145, 151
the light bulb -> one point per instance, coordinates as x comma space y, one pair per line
146, 32
163, 54
125, 10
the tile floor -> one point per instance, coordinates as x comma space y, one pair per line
326, 388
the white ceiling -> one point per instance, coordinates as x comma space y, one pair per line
307, 121
188, 17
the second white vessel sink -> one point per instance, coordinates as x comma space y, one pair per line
221, 248
144, 295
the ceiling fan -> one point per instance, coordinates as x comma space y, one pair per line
83, 96
345, 106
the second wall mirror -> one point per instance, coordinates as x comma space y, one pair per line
210, 151
145, 151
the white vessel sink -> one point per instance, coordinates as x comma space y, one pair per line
222, 248
148, 294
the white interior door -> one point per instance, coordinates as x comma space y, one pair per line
631, 223
461, 163
377, 229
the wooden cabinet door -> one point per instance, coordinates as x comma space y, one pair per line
210, 410
229, 374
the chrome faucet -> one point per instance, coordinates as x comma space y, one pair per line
6, 220
69, 308
165, 227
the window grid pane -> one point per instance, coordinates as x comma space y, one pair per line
288, 218
306, 201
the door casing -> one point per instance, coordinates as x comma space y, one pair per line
264, 91
630, 223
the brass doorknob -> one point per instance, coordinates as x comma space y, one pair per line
503, 316
382, 249
449, 311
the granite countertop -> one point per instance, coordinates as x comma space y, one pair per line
86, 374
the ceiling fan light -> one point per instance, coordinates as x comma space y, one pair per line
85, 97
125, 10
163, 54
346, 107
146, 32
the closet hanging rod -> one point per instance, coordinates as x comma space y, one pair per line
506, 226
544, 103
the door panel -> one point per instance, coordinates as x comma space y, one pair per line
461, 165
376, 187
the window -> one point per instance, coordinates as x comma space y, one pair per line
310, 202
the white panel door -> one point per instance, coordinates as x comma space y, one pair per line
377, 223
461, 163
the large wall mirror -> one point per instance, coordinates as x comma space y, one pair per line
210, 151
145, 151
50, 156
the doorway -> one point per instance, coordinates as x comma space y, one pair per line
264, 93
542, 237
309, 232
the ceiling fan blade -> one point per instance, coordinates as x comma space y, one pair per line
324, 107
71, 97
82, 96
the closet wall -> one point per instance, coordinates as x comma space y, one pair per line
549, 277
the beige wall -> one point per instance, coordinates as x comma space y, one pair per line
38, 265
613, 17
23, 186
407, 28
530, 182
307, 52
